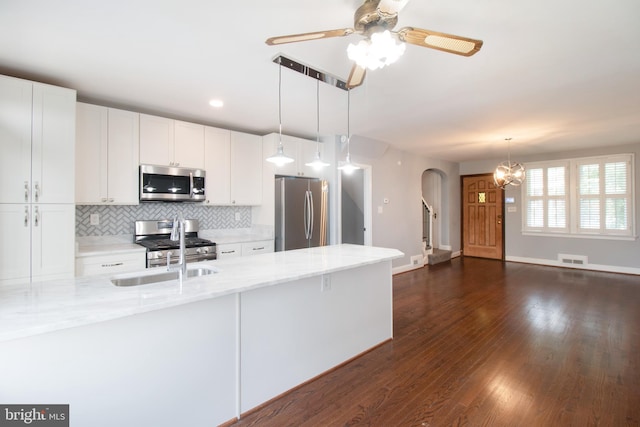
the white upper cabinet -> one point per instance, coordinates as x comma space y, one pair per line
233, 163
107, 155
246, 169
171, 142
37, 140
217, 163
301, 150
188, 147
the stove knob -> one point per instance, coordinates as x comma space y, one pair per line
205, 250
158, 254
198, 250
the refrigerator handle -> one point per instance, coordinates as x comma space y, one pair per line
310, 215
306, 215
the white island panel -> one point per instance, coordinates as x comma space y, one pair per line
172, 367
293, 332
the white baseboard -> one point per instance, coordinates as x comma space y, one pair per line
556, 263
405, 268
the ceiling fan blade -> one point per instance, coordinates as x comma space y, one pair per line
391, 7
356, 76
445, 42
308, 36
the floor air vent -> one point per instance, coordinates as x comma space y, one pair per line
573, 259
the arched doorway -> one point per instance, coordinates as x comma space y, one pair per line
435, 212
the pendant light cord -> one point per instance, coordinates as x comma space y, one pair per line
280, 97
348, 121
318, 115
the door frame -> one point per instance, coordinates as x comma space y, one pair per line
462, 212
367, 201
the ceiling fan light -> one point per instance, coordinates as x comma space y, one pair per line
382, 49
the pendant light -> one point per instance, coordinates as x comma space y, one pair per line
347, 166
317, 162
508, 173
279, 158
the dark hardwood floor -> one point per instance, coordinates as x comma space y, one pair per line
488, 343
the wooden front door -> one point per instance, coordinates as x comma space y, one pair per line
482, 213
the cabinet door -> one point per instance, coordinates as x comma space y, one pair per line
188, 145
52, 241
217, 162
15, 244
246, 169
91, 154
15, 140
122, 171
228, 250
156, 140
53, 144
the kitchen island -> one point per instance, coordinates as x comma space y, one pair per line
197, 353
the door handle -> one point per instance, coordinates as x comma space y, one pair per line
36, 217
26, 191
26, 216
37, 191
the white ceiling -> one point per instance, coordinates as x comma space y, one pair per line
553, 75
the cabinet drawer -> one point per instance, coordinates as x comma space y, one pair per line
228, 250
110, 264
254, 248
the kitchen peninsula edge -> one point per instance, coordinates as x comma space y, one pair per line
208, 350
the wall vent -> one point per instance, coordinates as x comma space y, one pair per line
573, 259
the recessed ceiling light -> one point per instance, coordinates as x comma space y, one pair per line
217, 103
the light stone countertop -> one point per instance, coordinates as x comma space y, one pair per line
106, 245
34, 308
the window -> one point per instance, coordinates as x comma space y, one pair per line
587, 197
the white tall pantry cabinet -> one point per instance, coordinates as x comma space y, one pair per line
37, 157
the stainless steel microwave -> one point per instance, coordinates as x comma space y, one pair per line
171, 184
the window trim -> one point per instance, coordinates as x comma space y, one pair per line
572, 198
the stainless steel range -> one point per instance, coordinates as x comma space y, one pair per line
156, 237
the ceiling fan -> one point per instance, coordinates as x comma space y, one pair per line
375, 17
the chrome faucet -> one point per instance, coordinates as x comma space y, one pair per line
178, 233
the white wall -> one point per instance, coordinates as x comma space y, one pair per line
608, 255
397, 176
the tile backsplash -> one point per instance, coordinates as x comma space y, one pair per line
118, 220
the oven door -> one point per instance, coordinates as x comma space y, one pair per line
162, 262
165, 183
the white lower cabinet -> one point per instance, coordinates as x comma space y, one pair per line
228, 250
110, 264
37, 242
232, 250
255, 248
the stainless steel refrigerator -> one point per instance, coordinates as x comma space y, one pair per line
301, 213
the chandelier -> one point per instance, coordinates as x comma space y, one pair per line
382, 49
508, 173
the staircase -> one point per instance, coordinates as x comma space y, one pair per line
438, 256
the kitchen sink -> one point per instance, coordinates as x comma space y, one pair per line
163, 276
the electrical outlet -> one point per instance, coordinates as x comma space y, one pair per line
94, 219
237, 216
326, 283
